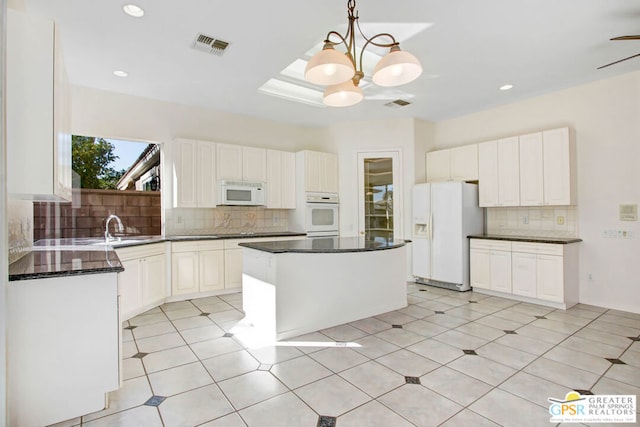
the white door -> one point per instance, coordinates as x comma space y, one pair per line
508, 172
446, 232
480, 268
488, 173
211, 265
501, 271
524, 274
531, 181
557, 169
380, 194
550, 278
153, 280
206, 177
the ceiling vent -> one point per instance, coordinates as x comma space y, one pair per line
208, 44
398, 103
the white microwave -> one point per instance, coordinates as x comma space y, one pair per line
241, 193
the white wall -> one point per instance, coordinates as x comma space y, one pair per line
347, 139
606, 118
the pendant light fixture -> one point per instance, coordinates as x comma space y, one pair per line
342, 74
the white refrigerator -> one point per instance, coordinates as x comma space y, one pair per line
444, 214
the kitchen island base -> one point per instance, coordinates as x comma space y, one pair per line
290, 294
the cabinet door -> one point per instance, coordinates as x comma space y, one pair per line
312, 167
274, 179
524, 274
531, 177
184, 273
480, 268
229, 162
211, 266
130, 288
185, 182
36, 110
557, 167
254, 164
233, 268
206, 175
329, 173
153, 279
288, 181
508, 172
438, 165
501, 271
464, 163
488, 174
550, 284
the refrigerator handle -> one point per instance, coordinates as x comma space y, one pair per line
430, 226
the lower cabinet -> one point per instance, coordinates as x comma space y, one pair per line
537, 272
197, 266
142, 284
490, 265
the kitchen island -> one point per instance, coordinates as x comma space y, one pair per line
290, 288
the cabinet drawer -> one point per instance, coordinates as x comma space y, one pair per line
492, 245
196, 246
141, 251
537, 248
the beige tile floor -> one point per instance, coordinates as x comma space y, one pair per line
365, 373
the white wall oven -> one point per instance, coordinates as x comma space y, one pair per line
321, 214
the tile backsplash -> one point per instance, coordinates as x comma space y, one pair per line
547, 221
20, 228
224, 219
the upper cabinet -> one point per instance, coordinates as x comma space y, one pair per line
281, 180
240, 163
453, 164
559, 155
194, 174
498, 173
537, 169
37, 109
320, 171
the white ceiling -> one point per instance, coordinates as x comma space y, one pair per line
474, 47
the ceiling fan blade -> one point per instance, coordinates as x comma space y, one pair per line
626, 38
619, 61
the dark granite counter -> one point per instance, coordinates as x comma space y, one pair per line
325, 245
41, 264
67, 257
531, 239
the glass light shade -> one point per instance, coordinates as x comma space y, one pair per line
343, 95
329, 67
396, 68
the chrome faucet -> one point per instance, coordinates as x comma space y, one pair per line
107, 235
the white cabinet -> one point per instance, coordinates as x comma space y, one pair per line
559, 167
508, 172
490, 264
320, 171
453, 164
531, 167
464, 163
194, 174
281, 180
544, 273
142, 284
499, 173
37, 110
438, 168
196, 266
240, 163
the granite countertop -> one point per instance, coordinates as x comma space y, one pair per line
531, 239
66, 257
325, 245
41, 264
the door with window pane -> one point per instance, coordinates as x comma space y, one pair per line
379, 195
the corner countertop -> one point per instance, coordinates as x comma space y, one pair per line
71, 257
325, 245
531, 239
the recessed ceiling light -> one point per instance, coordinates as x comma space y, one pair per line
506, 87
120, 73
133, 10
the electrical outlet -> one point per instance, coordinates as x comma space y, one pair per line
525, 219
618, 234
276, 219
560, 220
590, 277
